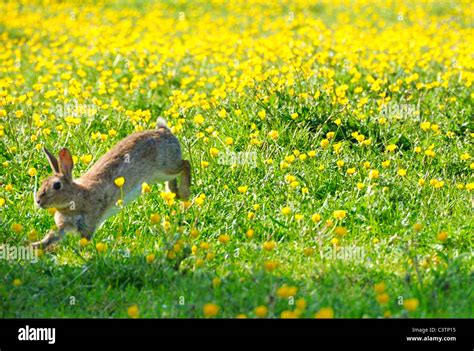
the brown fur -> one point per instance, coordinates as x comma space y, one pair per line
149, 156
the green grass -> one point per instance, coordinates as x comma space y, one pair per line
75, 281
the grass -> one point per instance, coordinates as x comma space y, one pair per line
268, 230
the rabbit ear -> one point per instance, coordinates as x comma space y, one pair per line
65, 162
53, 162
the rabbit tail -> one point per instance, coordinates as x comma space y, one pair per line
161, 123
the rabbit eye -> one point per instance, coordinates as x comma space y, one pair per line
57, 185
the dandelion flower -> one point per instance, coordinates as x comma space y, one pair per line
210, 310
339, 214
411, 304
133, 311
269, 245
325, 313
261, 311
120, 181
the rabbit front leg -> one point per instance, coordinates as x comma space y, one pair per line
51, 238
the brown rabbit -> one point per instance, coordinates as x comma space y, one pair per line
83, 204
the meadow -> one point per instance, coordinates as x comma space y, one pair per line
331, 144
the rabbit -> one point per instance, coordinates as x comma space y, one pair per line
83, 204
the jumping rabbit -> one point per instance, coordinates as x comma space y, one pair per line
83, 204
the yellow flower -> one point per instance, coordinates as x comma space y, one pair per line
241, 316
301, 304
425, 125
154, 218
465, 156
222, 113
294, 184
386, 164
8, 187
340, 231
324, 143
2, 201
83, 242
229, 141
32, 172
145, 188
33, 234
262, 114
286, 210
402, 172
250, 232
210, 310
286, 291
269, 245
120, 181
214, 152
133, 311
360, 186
340, 163
417, 149
391, 147
379, 287
216, 282
339, 214
373, 174
100, 247
198, 119
242, 189
411, 304
382, 298
17, 228
86, 159
351, 171
224, 238
325, 313
288, 314
417, 227
273, 134
270, 265
17, 282
150, 258
430, 153
261, 311
442, 236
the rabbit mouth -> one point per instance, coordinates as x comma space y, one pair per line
38, 203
